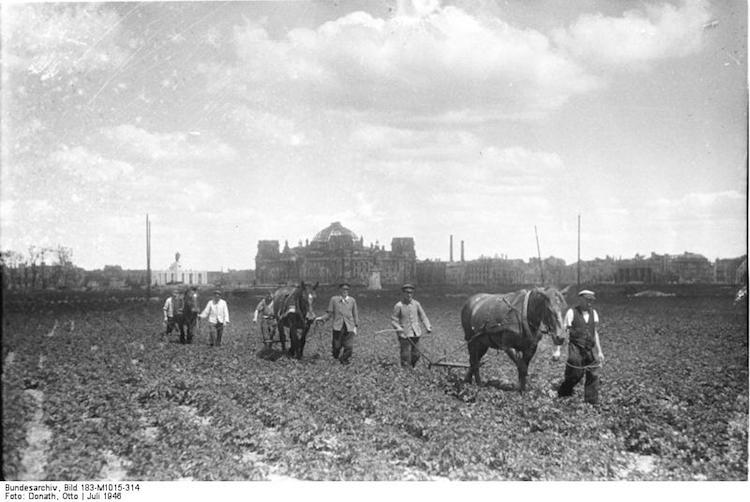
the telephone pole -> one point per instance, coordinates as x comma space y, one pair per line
578, 279
148, 257
539, 254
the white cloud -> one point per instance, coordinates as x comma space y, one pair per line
266, 127
638, 37
51, 39
172, 146
729, 204
83, 163
436, 62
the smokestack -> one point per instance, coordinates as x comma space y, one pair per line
451, 252
462, 251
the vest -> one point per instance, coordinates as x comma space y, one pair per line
582, 332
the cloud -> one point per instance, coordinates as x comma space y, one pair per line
431, 62
54, 39
266, 127
638, 37
729, 204
80, 162
173, 146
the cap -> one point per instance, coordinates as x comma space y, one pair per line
345, 285
217, 292
407, 287
587, 293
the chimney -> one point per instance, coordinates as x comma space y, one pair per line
451, 254
462, 251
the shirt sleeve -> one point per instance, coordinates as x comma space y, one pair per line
226, 311
568, 319
166, 305
423, 316
355, 314
596, 317
204, 314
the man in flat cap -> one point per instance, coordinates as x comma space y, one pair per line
583, 343
343, 309
218, 315
407, 313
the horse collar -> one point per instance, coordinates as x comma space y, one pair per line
525, 313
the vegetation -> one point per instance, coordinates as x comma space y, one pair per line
674, 399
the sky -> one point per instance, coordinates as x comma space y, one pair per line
232, 122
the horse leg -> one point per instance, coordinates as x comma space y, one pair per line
477, 350
181, 325
522, 364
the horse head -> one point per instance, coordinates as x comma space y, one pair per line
190, 299
546, 307
306, 299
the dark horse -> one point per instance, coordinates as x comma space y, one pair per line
187, 315
292, 306
513, 322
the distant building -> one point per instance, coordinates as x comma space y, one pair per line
177, 274
336, 254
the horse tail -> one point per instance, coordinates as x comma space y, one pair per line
466, 321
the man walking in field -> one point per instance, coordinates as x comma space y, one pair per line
264, 309
407, 313
217, 313
172, 307
583, 342
343, 309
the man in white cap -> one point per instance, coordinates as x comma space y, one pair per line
583, 342
405, 320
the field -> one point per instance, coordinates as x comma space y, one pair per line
92, 391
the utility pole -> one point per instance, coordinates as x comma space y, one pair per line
148, 257
539, 254
578, 278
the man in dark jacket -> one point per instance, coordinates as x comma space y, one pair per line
583, 343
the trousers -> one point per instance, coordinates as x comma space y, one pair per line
342, 345
578, 360
214, 335
409, 351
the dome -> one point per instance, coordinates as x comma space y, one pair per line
335, 228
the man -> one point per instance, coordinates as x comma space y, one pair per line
218, 315
171, 308
265, 310
343, 309
405, 319
583, 341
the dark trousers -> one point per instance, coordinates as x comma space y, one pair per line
578, 359
409, 351
342, 339
215, 340
171, 324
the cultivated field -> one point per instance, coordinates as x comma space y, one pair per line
91, 391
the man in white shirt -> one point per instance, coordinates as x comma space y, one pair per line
170, 309
583, 341
218, 315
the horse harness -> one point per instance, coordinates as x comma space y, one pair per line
525, 328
